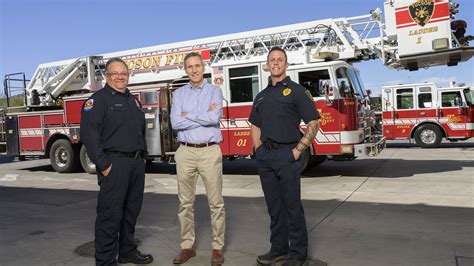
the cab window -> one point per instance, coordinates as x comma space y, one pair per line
243, 83
405, 99
316, 81
451, 99
469, 95
345, 86
424, 100
357, 83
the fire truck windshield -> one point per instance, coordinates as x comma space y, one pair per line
350, 83
469, 95
360, 88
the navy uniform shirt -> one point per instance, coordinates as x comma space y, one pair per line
278, 111
112, 121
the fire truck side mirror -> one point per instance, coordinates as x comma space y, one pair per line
461, 107
458, 101
326, 90
328, 101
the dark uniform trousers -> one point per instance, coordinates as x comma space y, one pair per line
280, 178
119, 203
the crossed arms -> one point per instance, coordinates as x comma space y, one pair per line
181, 120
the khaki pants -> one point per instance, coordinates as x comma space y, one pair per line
206, 162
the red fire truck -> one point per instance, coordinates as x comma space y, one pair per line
428, 114
320, 54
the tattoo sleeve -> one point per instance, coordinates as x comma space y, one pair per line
311, 130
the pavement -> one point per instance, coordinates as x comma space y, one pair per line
408, 206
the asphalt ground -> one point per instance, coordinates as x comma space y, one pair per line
408, 206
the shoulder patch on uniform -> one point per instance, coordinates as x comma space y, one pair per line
88, 104
286, 92
308, 93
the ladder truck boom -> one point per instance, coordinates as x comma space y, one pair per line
52, 81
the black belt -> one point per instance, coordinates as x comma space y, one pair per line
135, 154
271, 145
199, 145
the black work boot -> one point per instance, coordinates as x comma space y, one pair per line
137, 258
272, 257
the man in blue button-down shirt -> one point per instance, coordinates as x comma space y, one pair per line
195, 113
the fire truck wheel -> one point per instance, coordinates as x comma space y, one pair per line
306, 157
317, 160
428, 136
63, 157
86, 162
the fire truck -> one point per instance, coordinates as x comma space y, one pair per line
414, 34
427, 114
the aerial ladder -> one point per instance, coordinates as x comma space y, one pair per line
52, 81
414, 34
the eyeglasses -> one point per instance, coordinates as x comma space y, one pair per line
117, 74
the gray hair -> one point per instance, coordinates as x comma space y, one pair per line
113, 60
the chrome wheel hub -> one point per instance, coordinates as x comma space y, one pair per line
61, 157
428, 136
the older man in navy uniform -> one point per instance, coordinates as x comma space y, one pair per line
279, 144
113, 131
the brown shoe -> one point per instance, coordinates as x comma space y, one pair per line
217, 257
184, 255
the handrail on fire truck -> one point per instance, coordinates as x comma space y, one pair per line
320, 38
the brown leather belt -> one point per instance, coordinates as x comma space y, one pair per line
200, 145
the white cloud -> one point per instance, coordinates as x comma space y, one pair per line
394, 82
440, 81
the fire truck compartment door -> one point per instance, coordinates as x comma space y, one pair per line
168, 135
404, 114
425, 103
152, 127
12, 139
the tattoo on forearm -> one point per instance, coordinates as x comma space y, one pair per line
311, 131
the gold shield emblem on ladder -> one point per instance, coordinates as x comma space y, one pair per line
421, 11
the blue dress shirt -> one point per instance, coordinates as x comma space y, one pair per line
200, 125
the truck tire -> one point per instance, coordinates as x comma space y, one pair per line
86, 162
63, 156
306, 156
428, 136
317, 160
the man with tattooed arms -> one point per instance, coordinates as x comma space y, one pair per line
275, 117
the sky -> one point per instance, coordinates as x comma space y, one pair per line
39, 31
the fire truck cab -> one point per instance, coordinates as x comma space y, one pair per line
337, 90
428, 114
